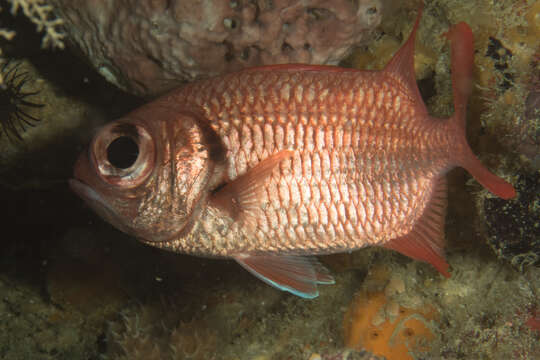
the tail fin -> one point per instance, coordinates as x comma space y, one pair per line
462, 52
490, 181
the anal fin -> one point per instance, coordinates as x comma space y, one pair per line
298, 275
425, 242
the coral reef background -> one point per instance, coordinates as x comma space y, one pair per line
148, 47
72, 287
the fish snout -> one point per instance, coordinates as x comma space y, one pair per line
98, 203
110, 174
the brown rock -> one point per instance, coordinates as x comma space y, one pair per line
149, 46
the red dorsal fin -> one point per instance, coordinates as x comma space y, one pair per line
425, 242
402, 63
462, 54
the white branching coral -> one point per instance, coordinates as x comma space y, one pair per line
41, 14
6, 33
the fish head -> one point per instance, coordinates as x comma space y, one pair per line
147, 173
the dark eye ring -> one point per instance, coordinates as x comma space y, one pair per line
123, 154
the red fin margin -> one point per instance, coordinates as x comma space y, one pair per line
298, 275
490, 181
462, 55
425, 242
402, 63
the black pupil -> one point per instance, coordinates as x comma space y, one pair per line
122, 152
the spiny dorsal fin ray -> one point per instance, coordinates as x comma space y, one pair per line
401, 65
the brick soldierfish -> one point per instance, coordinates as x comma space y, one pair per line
269, 165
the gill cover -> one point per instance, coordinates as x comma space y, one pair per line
147, 173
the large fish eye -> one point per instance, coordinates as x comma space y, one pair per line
123, 154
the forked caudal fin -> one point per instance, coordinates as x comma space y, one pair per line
426, 240
462, 54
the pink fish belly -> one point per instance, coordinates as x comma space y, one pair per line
364, 166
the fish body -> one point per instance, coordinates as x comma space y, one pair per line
269, 164
353, 178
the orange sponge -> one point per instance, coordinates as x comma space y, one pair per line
385, 328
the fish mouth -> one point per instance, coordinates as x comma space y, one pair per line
96, 202
87, 193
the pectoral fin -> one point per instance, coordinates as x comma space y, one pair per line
241, 197
296, 274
